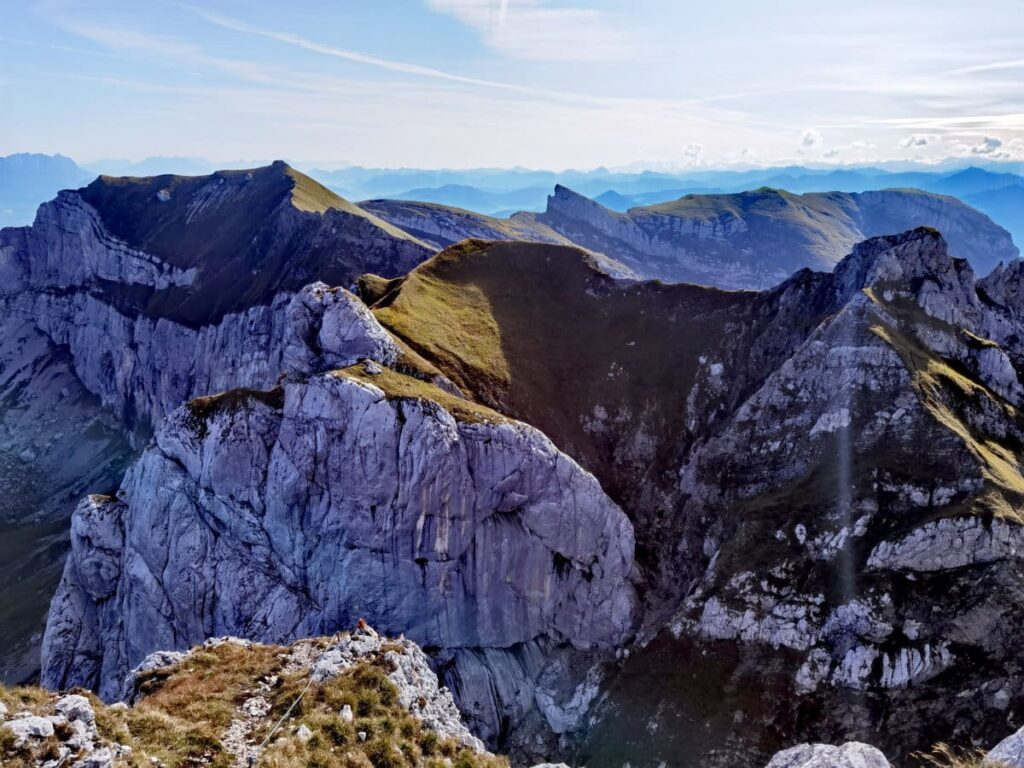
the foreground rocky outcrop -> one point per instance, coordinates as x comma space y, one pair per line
356, 698
849, 755
353, 492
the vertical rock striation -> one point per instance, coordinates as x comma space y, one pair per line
350, 493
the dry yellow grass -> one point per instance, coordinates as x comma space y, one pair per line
945, 756
401, 386
185, 710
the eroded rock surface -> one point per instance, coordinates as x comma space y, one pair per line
849, 755
128, 297
275, 515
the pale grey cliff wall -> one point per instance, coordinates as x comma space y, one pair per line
95, 352
279, 516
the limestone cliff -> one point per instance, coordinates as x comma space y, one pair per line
811, 472
125, 299
353, 492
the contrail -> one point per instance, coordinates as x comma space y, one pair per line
502, 10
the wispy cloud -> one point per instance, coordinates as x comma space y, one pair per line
959, 123
54, 47
994, 66
542, 30
691, 106
392, 65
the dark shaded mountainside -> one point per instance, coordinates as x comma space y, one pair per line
247, 234
824, 481
470, 460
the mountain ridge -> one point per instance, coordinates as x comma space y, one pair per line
509, 390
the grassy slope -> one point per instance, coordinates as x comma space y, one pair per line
249, 234
821, 224
538, 333
399, 386
185, 710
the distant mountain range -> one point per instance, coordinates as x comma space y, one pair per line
753, 239
28, 180
996, 189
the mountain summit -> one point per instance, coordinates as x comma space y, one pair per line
757, 239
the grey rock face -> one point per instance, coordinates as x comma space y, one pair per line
331, 328
114, 307
96, 345
442, 226
1008, 753
950, 543
274, 517
68, 736
849, 755
860, 487
30, 727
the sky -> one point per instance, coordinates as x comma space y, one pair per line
660, 84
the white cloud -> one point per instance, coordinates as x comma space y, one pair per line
916, 140
811, 138
830, 153
541, 30
693, 154
986, 146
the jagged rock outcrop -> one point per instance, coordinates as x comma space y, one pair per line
124, 300
358, 492
442, 226
1008, 753
848, 495
815, 472
66, 735
340, 700
160, 300
759, 238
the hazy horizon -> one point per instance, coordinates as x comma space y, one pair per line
540, 84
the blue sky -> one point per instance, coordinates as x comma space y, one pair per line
535, 83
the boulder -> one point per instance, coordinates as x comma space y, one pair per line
1008, 753
852, 754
